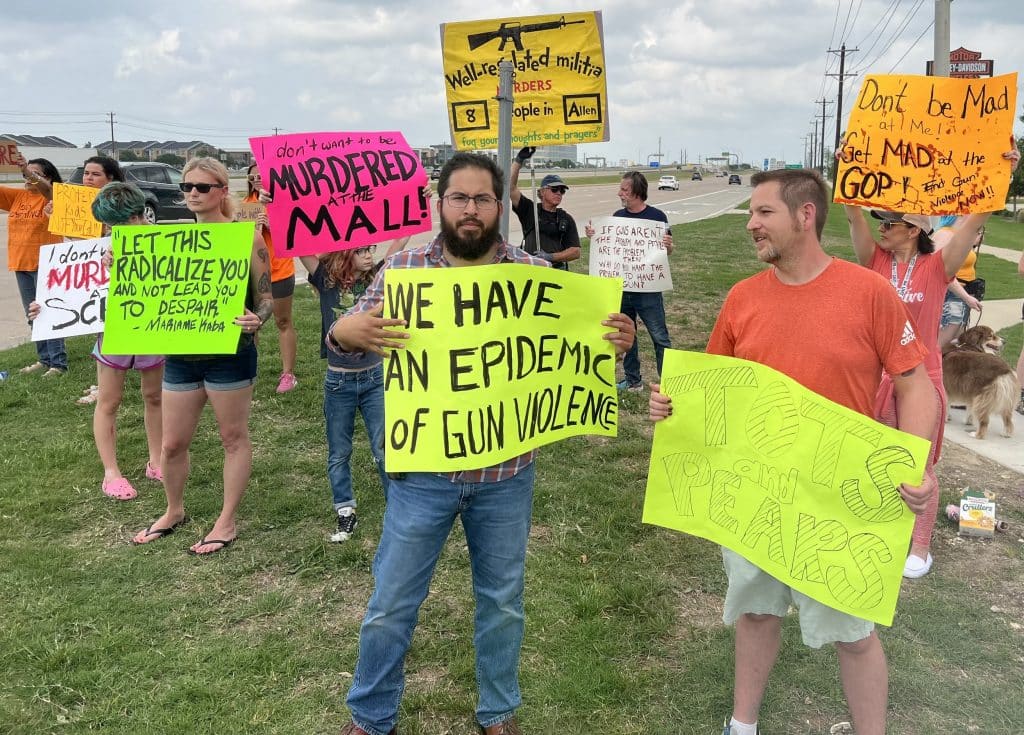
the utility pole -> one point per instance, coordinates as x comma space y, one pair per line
940, 64
821, 138
811, 159
275, 130
839, 98
113, 141
807, 155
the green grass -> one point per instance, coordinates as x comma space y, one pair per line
624, 629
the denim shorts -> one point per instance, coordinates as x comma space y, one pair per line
216, 372
756, 592
954, 311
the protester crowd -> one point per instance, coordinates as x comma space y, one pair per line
899, 384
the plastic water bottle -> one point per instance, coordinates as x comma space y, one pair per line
3, 375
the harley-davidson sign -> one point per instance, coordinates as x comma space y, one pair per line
966, 64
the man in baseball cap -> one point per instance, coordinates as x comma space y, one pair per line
559, 238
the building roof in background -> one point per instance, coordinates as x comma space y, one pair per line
45, 141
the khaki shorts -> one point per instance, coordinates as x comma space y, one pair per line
754, 591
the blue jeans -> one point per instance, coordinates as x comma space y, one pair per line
651, 308
51, 351
419, 515
343, 394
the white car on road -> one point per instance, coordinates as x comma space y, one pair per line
668, 182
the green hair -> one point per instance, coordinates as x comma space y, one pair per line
117, 202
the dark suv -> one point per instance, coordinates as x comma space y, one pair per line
159, 182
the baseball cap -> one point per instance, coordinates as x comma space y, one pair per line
921, 221
552, 180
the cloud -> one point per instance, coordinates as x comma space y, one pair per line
155, 56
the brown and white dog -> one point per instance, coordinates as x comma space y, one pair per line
974, 374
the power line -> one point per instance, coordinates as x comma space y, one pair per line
167, 124
913, 45
882, 19
846, 24
856, 15
896, 34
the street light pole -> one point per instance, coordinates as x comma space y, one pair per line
940, 64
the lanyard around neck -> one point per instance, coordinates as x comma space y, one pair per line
901, 288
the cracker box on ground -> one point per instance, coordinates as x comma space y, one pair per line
977, 515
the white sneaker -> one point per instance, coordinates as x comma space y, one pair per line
916, 567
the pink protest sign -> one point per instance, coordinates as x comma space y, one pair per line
336, 191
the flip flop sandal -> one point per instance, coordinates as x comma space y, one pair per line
119, 489
88, 399
159, 532
223, 545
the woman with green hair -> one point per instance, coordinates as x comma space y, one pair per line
119, 203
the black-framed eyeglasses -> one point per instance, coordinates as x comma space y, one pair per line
187, 186
483, 202
888, 225
362, 251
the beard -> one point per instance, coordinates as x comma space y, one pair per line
469, 247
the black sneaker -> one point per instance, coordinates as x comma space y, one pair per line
347, 523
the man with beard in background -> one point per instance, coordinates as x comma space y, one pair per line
495, 502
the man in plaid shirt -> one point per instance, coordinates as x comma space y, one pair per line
495, 502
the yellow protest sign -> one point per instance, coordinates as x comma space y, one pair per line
72, 211
804, 488
501, 359
176, 289
560, 94
929, 145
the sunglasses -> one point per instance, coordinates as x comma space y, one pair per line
886, 226
559, 189
187, 186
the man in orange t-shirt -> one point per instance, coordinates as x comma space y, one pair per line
28, 229
854, 326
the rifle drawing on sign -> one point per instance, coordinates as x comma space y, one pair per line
515, 30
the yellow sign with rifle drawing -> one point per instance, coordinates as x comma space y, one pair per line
560, 95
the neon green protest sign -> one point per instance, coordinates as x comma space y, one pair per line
501, 359
176, 289
804, 488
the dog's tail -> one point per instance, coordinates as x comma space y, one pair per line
999, 397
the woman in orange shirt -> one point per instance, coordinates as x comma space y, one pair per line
282, 288
28, 229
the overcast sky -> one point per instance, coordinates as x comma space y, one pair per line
707, 77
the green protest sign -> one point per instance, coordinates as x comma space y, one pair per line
804, 488
176, 289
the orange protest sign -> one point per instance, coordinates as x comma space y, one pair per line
928, 145
10, 157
